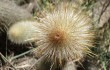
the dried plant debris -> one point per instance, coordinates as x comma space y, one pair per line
24, 63
101, 12
102, 23
101, 17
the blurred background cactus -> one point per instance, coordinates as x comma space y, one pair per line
99, 10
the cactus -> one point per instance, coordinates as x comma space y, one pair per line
66, 34
22, 32
11, 13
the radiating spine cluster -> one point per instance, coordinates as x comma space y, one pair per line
65, 34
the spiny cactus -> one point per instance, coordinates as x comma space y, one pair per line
65, 34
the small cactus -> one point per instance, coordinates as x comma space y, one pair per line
22, 32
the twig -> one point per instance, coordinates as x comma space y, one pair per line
3, 57
105, 5
17, 56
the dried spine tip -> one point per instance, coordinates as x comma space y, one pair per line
22, 32
66, 34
